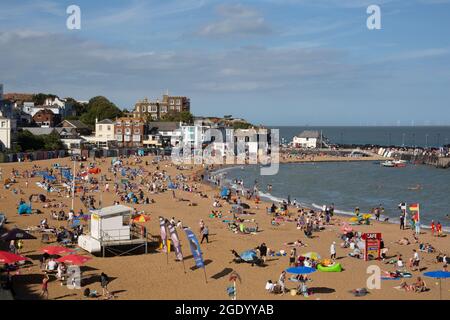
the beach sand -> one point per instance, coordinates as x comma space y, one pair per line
150, 276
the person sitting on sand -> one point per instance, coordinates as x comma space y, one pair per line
419, 285
403, 241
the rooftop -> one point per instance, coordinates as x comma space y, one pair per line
117, 210
309, 134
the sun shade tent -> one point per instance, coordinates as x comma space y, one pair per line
94, 171
224, 192
300, 270
56, 250
74, 259
438, 275
16, 234
8, 257
24, 208
249, 255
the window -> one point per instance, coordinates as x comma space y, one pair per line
3, 124
172, 102
100, 128
143, 109
127, 131
137, 131
119, 131
164, 109
179, 102
154, 109
108, 128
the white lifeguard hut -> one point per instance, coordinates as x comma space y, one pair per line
112, 227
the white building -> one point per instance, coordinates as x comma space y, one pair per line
7, 128
104, 134
308, 140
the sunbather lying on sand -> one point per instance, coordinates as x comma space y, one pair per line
403, 241
297, 243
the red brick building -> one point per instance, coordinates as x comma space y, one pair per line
45, 118
129, 132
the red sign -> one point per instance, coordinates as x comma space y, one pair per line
373, 245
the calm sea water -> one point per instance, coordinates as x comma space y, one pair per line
421, 136
356, 184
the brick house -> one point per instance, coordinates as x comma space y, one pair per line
45, 118
155, 110
129, 132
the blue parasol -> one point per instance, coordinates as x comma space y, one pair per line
438, 275
300, 270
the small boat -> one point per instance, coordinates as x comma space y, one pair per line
389, 164
2, 220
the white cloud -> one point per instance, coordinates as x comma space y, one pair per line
236, 19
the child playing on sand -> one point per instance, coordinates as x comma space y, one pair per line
44, 291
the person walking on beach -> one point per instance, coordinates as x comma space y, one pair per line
292, 257
205, 234
281, 282
44, 291
433, 228
439, 229
402, 222
415, 260
104, 281
262, 251
333, 250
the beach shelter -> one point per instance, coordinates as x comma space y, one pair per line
74, 259
171, 186
249, 255
141, 218
56, 250
94, 171
300, 270
8, 257
24, 209
16, 234
49, 178
438, 275
224, 192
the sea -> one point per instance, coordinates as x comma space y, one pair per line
348, 185
411, 136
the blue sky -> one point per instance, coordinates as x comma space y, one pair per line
277, 62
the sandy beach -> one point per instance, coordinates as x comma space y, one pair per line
150, 276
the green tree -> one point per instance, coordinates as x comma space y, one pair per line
100, 108
184, 116
241, 125
80, 109
52, 141
40, 98
26, 141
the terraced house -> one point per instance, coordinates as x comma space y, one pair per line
129, 131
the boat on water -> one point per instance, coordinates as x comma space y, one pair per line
394, 164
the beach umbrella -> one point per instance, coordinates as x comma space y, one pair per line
438, 275
16, 234
56, 250
141, 218
74, 259
312, 255
300, 270
8, 257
